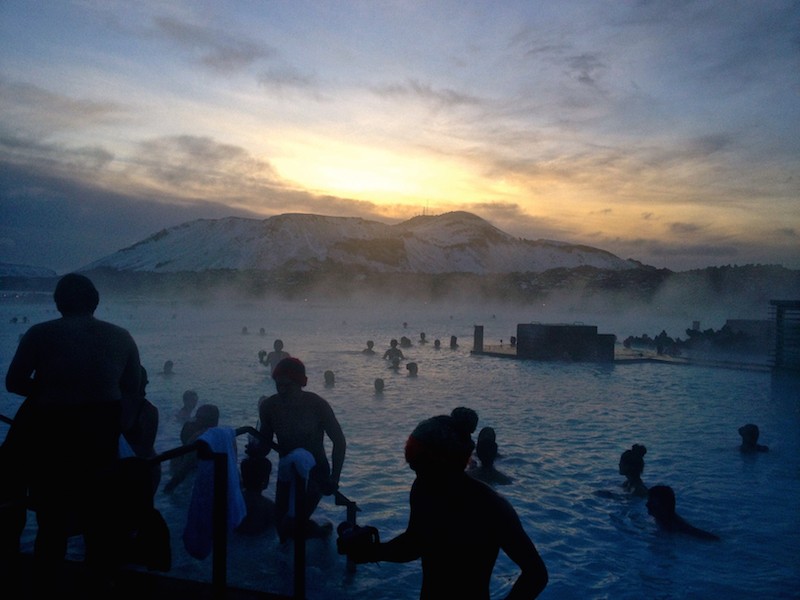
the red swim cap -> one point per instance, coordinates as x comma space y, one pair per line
291, 369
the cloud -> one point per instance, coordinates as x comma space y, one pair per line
32, 110
438, 98
685, 228
213, 48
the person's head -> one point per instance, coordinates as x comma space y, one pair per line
422, 335
168, 366
486, 448
207, 415
631, 462
76, 295
437, 342
661, 502
289, 374
370, 344
330, 378
393, 343
379, 385
278, 345
487, 434
466, 416
749, 434
412, 368
439, 445
190, 399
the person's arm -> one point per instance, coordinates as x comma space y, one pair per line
261, 447
403, 548
519, 547
19, 377
336, 435
130, 388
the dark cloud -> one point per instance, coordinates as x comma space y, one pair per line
685, 228
63, 223
511, 218
199, 162
215, 49
586, 67
33, 110
284, 78
439, 98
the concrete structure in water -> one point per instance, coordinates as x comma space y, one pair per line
787, 335
537, 341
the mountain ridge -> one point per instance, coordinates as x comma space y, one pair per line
454, 242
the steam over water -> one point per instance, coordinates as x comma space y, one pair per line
560, 427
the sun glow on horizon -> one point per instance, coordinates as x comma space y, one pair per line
386, 177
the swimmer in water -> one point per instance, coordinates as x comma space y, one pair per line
486, 449
750, 443
631, 465
661, 506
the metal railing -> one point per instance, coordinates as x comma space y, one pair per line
219, 568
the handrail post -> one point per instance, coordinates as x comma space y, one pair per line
300, 529
219, 572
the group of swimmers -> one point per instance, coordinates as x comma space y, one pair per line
661, 498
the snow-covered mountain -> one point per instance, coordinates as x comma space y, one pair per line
455, 242
12, 270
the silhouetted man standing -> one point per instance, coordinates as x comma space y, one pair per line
77, 374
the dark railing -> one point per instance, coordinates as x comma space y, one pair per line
219, 565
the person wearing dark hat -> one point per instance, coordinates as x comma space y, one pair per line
457, 524
298, 419
79, 375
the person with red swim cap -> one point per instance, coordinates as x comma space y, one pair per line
298, 419
457, 524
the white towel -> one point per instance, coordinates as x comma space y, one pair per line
303, 461
198, 535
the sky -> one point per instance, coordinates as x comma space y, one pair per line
663, 131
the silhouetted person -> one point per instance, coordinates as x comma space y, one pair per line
168, 367
457, 524
661, 506
422, 339
631, 465
393, 352
750, 435
181, 467
76, 373
412, 369
255, 473
467, 418
330, 378
379, 385
405, 342
437, 343
370, 349
277, 355
298, 419
190, 400
453, 342
486, 449
140, 428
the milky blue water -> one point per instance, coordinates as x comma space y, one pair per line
561, 429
